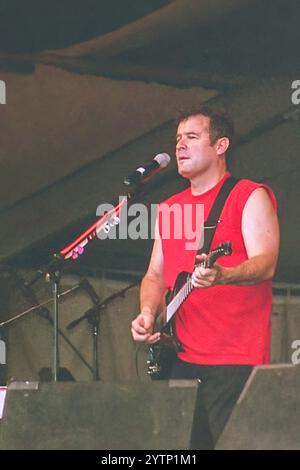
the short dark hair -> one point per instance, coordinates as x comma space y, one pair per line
220, 122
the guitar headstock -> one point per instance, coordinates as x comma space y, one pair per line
224, 249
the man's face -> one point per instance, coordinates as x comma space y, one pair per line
194, 152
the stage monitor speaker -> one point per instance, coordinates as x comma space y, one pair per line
267, 415
98, 415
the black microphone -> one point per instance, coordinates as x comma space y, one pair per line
159, 162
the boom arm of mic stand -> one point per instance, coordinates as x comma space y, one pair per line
120, 293
76, 248
91, 311
41, 306
96, 309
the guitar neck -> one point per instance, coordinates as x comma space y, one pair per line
224, 249
179, 298
211, 259
186, 289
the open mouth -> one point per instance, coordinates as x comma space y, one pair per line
182, 158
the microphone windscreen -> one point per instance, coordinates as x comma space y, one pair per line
163, 159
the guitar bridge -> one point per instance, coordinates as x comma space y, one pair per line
153, 369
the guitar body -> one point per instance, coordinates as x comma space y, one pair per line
168, 329
162, 354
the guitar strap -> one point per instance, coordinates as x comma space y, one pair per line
212, 220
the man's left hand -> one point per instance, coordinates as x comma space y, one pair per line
206, 277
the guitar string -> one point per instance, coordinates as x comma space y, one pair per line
185, 290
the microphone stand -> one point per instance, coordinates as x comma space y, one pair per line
54, 280
40, 307
93, 317
53, 273
73, 251
94, 321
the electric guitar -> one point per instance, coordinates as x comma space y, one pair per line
161, 353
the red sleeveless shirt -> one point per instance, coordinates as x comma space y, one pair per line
223, 324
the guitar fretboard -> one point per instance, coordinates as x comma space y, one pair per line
185, 290
179, 299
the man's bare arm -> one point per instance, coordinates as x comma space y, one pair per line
151, 296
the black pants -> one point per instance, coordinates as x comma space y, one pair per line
218, 391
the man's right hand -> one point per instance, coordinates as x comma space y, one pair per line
142, 328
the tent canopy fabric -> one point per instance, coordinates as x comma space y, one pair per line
92, 90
